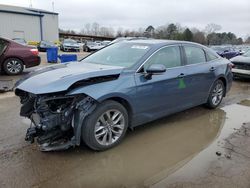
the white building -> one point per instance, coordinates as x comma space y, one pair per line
28, 23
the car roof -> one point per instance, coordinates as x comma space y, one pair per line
159, 42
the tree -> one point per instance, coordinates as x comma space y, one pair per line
87, 28
213, 39
187, 35
239, 41
95, 28
171, 31
199, 37
247, 40
149, 32
212, 28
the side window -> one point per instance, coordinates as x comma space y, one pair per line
211, 56
194, 55
169, 57
3, 46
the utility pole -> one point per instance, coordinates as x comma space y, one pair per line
30, 3
53, 6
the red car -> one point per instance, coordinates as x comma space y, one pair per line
14, 57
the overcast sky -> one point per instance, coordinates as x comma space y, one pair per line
233, 16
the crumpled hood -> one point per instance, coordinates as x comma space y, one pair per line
60, 77
240, 59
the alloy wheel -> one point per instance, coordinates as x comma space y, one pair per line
14, 66
109, 127
217, 93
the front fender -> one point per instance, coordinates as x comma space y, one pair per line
122, 88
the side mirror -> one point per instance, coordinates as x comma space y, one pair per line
154, 69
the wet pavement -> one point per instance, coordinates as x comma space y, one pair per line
170, 152
224, 163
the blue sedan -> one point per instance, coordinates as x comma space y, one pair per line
226, 52
124, 85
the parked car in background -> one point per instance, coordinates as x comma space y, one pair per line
70, 45
20, 41
105, 42
44, 45
14, 57
226, 52
81, 44
124, 85
92, 46
241, 65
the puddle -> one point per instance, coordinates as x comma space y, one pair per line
245, 102
144, 153
200, 165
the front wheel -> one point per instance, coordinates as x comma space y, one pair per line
216, 94
106, 126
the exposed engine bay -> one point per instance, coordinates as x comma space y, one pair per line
56, 119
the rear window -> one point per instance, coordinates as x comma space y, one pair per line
3, 45
211, 56
194, 55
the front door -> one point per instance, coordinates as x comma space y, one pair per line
164, 93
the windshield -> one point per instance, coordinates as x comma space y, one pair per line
70, 41
119, 54
91, 43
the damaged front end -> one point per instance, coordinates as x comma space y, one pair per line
56, 119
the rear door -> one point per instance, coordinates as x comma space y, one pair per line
200, 74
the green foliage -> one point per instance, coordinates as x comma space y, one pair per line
187, 35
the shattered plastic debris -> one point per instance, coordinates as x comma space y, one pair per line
6, 85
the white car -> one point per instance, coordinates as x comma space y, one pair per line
70, 45
241, 65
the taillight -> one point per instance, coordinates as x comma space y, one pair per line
34, 51
230, 65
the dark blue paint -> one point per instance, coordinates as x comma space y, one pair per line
149, 99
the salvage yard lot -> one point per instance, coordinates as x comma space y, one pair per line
148, 155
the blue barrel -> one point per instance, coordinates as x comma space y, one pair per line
67, 57
52, 55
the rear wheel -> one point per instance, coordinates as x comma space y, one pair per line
106, 126
13, 66
216, 94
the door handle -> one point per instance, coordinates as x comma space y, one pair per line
212, 69
181, 75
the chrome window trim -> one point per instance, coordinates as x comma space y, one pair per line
184, 65
171, 45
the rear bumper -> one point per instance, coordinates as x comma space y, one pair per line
32, 62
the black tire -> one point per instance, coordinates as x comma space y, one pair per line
215, 97
89, 125
13, 66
